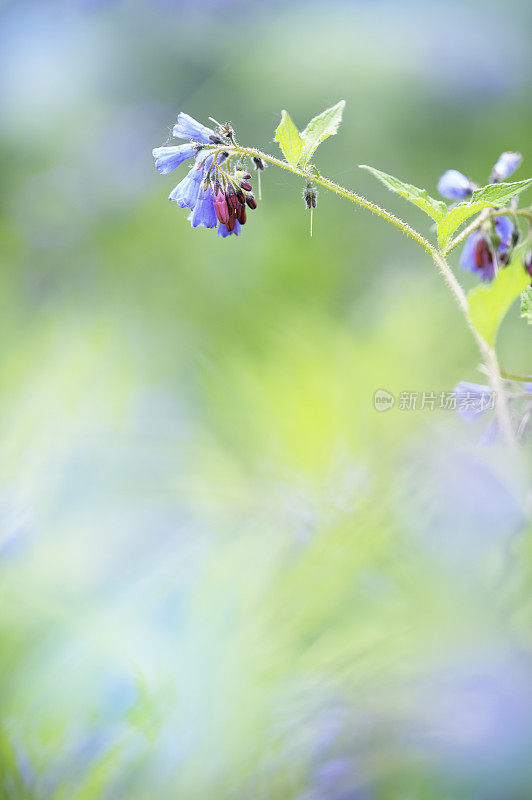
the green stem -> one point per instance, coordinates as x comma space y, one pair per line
511, 376
473, 226
488, 353
482, 217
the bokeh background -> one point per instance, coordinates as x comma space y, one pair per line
224, 574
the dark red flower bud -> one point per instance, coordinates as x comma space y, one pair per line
250, 200
258, 163
222, 214
241, 197
483, 257
232, 200
246, 176
246, 186
220, 204
230, 224
241, 214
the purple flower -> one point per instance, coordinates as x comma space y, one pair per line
504, 228
189, 128
186, 192
223, 231
203, 212
454, 185
478, 256
476, 715
506, 164
211, 193
168, 158
472, 400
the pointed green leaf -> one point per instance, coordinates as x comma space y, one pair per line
526, 304
455, 217
498, 194
488, 304
320, 128
289, 139
492, 196
419, 197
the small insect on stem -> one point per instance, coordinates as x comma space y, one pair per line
309, 196
259, 165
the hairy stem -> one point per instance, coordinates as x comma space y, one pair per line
502, 406
488, 353
473, 226
512, 376
482, 217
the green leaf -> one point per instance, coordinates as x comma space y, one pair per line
454, 218
526, 304
289, 139
320, 128
488, 304
419, 197
498, 194
493, 195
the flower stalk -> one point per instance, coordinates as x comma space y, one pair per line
217, 195
488, 353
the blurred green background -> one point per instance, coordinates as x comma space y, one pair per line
223, 573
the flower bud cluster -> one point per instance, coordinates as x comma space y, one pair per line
214, 195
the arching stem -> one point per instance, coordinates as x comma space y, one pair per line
489, 356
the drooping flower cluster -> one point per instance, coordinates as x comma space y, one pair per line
214, 195
489, 247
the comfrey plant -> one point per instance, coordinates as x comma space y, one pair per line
497, 242
216, 195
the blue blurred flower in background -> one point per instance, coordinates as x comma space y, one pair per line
506, 164
473, 400
454, 185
